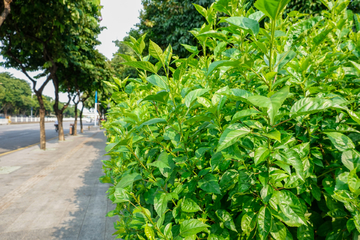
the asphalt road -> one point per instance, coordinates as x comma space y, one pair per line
17, 136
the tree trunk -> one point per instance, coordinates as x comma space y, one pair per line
6, 11
42, 121
42, 130
59, 112
81, 114
61, 128
75, 122
100, 115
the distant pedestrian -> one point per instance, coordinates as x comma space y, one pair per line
56, 124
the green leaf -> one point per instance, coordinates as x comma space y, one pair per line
260, 155
305, 233
167, 231
355, 116
192, 96
354, 182
128, 180
121, 195
340, 141
153, 121
110, 146
201, 10
209, 184
214, 34
141, 44
244, 113
215, 65
159, 97
160, 202
357, 221
310, 105
293, 159
351, 159
244, 181
257, 16
238, 94
147, 66
248, 222
231, 135
168, 55
283, 59
291, 207
357, 24
205, 102
264, 223
302, 149
113, 86
127, 58
216, 160
149, 232
105, 179
156, 51
226, 218
189, 205
272, 104
158, 81
271, 8
275, 134
191, 227
164, 163
192, 49
280, 232
245, 23
322, 35
228, 179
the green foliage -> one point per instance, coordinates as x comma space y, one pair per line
257, 139
169, 22
311, 6
15, 95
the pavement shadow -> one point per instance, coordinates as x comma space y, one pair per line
86, 216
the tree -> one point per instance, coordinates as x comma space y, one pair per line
41, 35
169, 22
83, 100
5, 10
48, 104
123, 71
80, 54
33, 38
15, 94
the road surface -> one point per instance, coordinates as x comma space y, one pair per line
17, 136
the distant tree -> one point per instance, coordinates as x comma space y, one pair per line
42, 36
169, 22
48, 104
15, 94
122, 71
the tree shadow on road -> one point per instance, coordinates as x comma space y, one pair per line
85, 217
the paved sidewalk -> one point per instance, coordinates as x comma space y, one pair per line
56, 194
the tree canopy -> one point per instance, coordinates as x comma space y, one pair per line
15, 94
57, 38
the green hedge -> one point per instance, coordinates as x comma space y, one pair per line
255, 137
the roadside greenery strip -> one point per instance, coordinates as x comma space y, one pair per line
254, 136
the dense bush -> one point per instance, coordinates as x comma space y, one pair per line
256, 139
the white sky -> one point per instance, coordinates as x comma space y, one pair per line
119, 16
